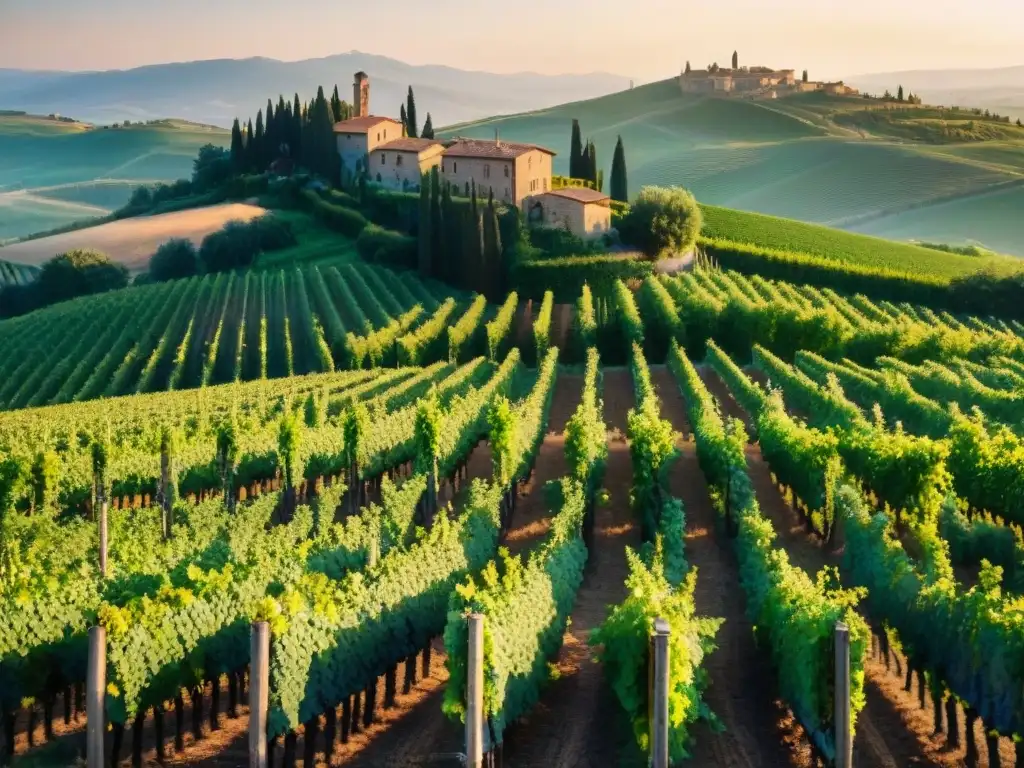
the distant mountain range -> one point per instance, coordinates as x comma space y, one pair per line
1000, 90
216, 91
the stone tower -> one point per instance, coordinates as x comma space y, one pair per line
361, 95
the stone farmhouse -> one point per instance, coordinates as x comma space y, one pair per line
514, 173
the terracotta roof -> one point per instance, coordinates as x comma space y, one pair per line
409, 145
500, 150
580, 194
362, 124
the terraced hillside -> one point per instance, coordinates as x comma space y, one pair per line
785, 158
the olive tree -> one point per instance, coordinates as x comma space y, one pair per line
662, 222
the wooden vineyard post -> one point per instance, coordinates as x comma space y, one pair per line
475, 693
844, 736
103, 538
95, 695
659, 694
259, 693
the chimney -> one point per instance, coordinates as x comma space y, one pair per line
361, 95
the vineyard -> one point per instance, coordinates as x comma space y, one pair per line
229, 327
374, 469
15, 274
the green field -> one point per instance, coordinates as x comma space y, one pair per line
785, 158
54, 173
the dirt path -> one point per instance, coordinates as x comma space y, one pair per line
561, 325
578, 722
740, 694
892, 730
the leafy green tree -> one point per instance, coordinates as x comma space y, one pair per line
410, 113
575, 151
662, 222
79, 272
174, 259
237, 148
735, 60
211, 168
428, 128
619, 186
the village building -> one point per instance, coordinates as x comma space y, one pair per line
754, 82
378, 146
585, 212
511, 172
401, 163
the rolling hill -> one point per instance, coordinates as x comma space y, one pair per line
54, 173
789, 158
1000, 90
217, 91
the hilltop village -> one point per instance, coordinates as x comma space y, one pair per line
755, 82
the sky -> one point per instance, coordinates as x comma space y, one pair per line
645, 39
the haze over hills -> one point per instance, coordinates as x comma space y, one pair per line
217, 91
790, 157
1000, 90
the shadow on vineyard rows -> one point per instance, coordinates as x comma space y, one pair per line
894, 729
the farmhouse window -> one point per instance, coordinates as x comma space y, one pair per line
398, 160
507, 196
382, 156
506, 171
455, 167
487, 171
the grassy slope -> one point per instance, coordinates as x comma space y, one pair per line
54, 173
790, 235
784, 158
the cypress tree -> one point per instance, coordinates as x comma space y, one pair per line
575, 151
257, 154
282, 118
437, 252
322, 131
270, 134
619, 187
425, 237
687, 67
899, 94
453, 226
735, 60
237, 148
428, 128
410, 112
336, 105
805, 76
249, 147
493, 268
295, 131
404, 118
592, 163
473, 248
